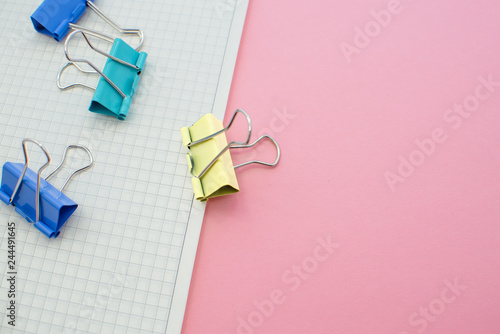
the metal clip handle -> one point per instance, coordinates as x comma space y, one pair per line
278, 153
109, 21
76, 171
60, 85
26, 161
81, 60
230, 145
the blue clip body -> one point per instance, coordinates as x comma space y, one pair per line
53, 17
107, 100
55, 207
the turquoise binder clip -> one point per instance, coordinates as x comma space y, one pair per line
56, 18
119, 78
34, 197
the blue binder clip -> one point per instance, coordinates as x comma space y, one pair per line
35, 199
119, 78
55, 18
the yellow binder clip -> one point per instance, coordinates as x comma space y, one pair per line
209, 159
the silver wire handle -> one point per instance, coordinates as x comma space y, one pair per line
236, 144
228, 146
278, 153
109, 21
26, 161
76, 171
59, 74
81, 60
60, 85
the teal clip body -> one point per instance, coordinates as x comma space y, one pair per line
107, 100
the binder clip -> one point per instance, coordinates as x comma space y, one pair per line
34, 197
119, 78
55, 18
209, 159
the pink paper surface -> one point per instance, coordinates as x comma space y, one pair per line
380, 157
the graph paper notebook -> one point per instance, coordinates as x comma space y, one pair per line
123, 261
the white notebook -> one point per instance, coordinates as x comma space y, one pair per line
124, 260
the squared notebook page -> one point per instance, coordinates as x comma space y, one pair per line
124, 259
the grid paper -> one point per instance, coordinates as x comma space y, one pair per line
123, 261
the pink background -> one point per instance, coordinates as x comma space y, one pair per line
348, 124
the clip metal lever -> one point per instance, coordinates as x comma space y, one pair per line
236, 144
3, 195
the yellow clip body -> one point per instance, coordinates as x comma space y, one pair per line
220, 179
